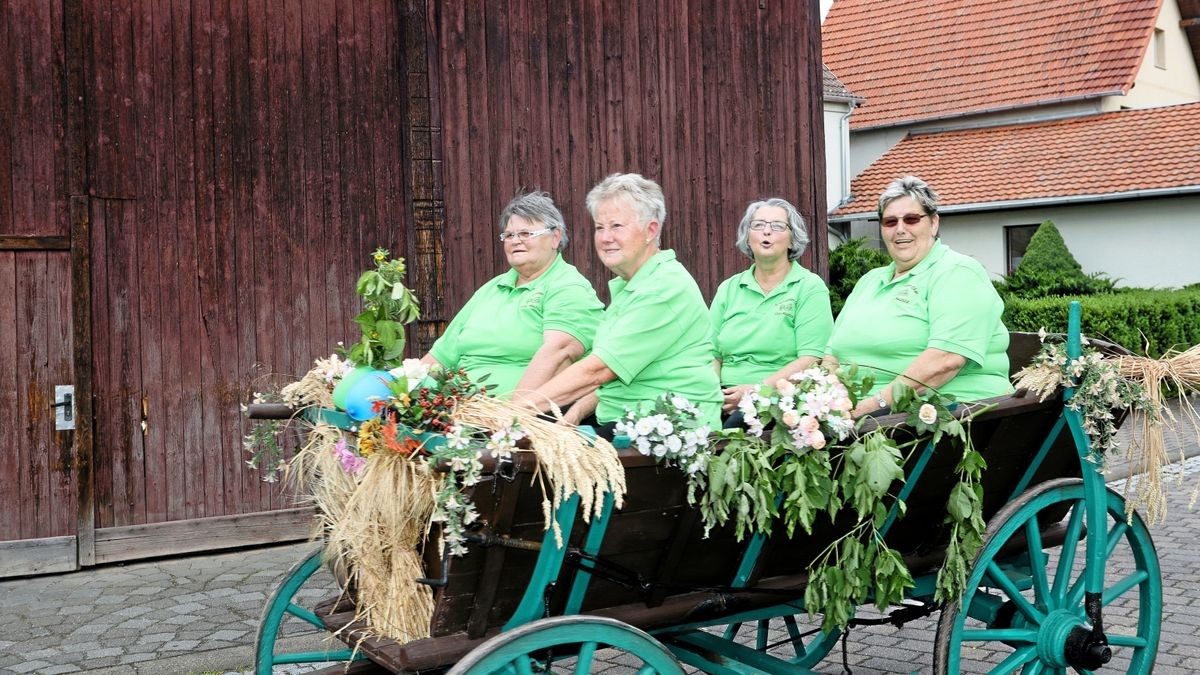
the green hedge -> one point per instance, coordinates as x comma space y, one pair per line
1143, 321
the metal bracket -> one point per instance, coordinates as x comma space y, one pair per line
64, 407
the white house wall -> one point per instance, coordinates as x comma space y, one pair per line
1144, 243
837, 180
1178, 83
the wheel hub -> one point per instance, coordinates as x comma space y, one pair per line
1054, 634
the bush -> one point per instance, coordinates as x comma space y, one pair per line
1048, 268
847, 263
1144, 321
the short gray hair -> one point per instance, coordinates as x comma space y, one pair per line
645, 194
799, 240
910, 186
537, 207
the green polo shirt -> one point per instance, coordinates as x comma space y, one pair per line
757, 333
500, 328
947, 302
655, 337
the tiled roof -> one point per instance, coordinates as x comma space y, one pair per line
928, 59
832, 87
1109, 153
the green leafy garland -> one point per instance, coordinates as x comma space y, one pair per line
760, 477
389, 305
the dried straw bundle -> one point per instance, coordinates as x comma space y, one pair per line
1180, 371
376, 537
571, 463
312, 389
316, 478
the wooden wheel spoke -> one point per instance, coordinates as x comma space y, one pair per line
1114, 537
1000, 635
524, 665
1018, 658
1010, 589
583, 663
1066, 561
1033, 539
1118, 640
1123, 586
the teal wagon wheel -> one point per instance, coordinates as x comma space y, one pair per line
525, 649
282, 604
1027, 608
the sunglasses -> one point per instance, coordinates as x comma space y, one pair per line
910, 219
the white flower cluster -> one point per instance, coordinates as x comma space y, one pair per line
813, 404
504, 441
452, 509
412, 370
672, 432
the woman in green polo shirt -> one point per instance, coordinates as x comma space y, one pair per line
655, 334
773, 319
526, 325
931, 318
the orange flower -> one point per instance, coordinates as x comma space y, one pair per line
404, 446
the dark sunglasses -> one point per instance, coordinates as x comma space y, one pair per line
910, 219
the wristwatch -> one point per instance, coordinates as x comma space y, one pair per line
883, 404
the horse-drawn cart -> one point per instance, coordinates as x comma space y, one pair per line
1065, 580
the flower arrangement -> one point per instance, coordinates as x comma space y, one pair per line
671, 430
802, 455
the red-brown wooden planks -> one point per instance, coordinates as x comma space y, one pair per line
10, 447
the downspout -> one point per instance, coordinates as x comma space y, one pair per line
844, 151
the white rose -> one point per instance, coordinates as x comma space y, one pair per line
643, 445
673, 443
644, 426
660, 450
664, 427
927, 414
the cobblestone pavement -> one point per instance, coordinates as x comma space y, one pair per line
199, 614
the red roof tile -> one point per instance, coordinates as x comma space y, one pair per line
1153, 148
928, 59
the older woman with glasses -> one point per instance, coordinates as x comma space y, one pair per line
526, 325
930, 319
773, 319
654, 336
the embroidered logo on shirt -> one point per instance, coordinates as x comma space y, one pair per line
785, 308
532, 299
906, 294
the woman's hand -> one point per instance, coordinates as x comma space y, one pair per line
733, 396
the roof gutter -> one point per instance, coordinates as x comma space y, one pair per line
987, 111
1064, 200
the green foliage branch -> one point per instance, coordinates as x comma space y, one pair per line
387, 306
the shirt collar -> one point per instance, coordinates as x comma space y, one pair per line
617, 284
932, 257
509, 278
746, 278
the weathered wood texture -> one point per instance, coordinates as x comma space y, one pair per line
37, 481
244, 158
717, 101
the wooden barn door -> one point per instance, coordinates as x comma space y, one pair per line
44, 393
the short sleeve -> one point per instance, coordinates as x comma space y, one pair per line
813, 321
647, 327
717, 316
575, 310
964, 310
446, 349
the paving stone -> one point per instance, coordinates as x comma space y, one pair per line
139, 657
29, 666
132, 611
57, 670
180, 645
106, 651
75, 610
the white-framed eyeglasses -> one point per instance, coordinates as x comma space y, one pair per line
775, 225
524, 235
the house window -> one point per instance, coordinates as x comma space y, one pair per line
1160, 48
1016, 241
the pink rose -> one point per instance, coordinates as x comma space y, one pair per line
791, 418
817, 440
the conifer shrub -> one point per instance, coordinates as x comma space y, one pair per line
1048, 268
847, 263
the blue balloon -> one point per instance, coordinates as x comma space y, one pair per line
371, 387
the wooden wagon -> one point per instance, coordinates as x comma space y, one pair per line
1064, 581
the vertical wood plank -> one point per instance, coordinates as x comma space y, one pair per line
7, 100
10, 460
81, 326
60, 451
